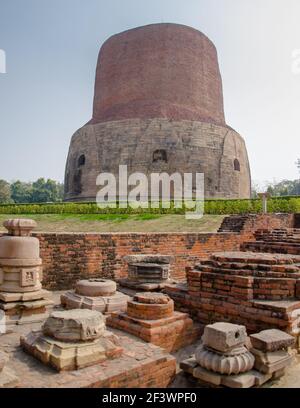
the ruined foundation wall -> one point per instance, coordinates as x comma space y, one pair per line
70, 257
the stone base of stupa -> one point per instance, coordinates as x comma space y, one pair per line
104, 304
67, 356
29, 307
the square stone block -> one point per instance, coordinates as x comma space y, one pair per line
271, 340
224, 337
270, 362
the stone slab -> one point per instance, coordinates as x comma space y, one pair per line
272, 340
207, 376
67, 356
145, 287
246, 380
189, 365
24, 297
21, 320
29, 305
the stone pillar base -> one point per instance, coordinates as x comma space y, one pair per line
66, 356
104, 304
250, 379
21, 308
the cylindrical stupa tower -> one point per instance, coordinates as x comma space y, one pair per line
158, 107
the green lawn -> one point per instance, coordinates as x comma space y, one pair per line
120, 223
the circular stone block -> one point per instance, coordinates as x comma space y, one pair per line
151, 298
96, 287
103, 304
75, 325
225, 364
19, 227
150, 306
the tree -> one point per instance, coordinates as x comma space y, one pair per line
21, 192
46, 191
284, 188
5, 192
298, 164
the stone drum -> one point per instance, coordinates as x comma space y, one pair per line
21, 293
95, 294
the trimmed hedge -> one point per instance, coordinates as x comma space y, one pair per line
217, 207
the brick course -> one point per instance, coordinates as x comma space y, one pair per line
68, 258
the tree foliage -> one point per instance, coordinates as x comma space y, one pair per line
40, 191
5, 192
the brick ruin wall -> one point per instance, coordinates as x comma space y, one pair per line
70, 257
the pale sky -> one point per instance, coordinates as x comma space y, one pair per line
51, 48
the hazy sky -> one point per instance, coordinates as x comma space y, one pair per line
52, 46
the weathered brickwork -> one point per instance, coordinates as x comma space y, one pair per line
151, 317
258, 290
68, 258
147, 72
141, 365
255, 222
284, 241
158, 107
